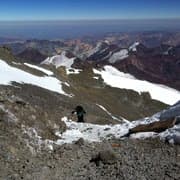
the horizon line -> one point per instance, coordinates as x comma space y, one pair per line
103, 19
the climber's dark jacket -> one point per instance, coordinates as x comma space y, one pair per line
80, 113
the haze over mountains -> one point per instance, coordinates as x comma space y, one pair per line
78, 28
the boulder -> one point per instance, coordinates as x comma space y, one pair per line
106, 156
158, 126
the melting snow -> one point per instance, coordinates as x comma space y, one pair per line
8, 74
115, 78
96, 133
90, 132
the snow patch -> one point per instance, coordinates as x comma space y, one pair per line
72, 71
97, 133
96, 77
9, 74
115, 78
90, 132
62, 61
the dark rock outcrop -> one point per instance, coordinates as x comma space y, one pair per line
31, 55
6, 54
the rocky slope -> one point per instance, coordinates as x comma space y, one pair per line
29, 118
38, 140
132, 159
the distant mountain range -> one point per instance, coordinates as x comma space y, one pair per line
152, 56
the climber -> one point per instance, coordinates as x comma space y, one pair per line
80, 113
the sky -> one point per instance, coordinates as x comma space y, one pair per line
88, 9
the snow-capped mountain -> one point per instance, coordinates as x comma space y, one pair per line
107, 52
158, 64
60, 60
104, 51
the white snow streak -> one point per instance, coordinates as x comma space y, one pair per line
50, 73
134, 46
113, 117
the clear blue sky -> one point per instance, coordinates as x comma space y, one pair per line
88, 9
